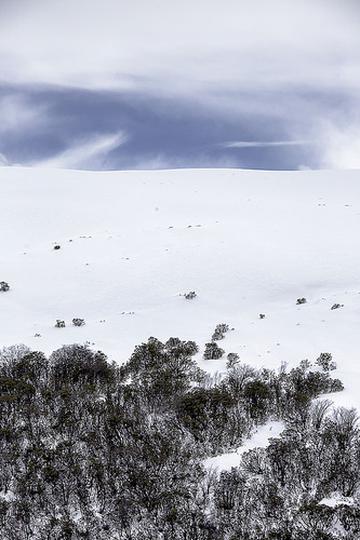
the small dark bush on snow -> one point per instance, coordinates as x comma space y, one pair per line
326, 362
213, 351
220, 332
78, 322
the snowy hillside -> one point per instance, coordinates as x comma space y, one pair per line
133, 242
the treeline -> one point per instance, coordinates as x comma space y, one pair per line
93, 450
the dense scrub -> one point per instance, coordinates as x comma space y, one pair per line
95, 451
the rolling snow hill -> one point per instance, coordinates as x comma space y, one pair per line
248, 242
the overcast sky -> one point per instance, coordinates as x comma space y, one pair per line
106, 84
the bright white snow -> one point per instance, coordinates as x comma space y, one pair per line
337, 500
260, 439
131, 242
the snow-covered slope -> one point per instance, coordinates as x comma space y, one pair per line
131, 242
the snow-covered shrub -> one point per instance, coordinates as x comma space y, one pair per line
220, 331
79, 365
305, 365
205, 413
4, 287
78, 322
32, 367
232, 360
14, 353
59, 323
161, 371
335, 385
181, 347
190, 295
337, 306
326, 362
300, 301
213, 351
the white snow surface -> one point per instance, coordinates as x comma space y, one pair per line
247, 242
260, 439
336, 500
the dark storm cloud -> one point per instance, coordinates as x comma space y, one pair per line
157, 132
117, 84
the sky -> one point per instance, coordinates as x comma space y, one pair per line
148, 84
